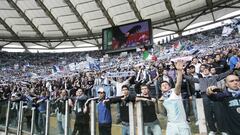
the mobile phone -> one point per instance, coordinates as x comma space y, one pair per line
216, 90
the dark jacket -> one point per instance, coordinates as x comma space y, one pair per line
205, 82
61, 105
124, 110
231, 109
78, 108
220, 66
185, 89
149, 112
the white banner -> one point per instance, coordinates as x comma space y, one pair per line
187, 58
72, 67
238, 26
226, 31
121, 74
79, 66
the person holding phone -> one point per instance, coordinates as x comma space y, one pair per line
230, 98
204, 83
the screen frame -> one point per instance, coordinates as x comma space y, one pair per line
128, 48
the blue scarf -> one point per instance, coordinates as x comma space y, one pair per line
235, 93
167, 94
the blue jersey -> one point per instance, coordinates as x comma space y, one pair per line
104, 113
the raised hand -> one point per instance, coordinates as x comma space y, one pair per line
179, 65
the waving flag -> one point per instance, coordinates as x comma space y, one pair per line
226, 31
178, 46
57, 69
147, 56
93, 63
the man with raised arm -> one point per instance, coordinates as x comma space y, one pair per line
173, 106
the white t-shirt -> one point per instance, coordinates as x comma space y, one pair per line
174, 108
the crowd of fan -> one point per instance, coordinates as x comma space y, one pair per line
146, 85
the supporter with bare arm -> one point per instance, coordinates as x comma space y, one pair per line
173, 107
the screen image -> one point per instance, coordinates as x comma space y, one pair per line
127, 36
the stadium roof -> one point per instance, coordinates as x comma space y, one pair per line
57, 25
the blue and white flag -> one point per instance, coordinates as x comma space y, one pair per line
57, 69
93, 63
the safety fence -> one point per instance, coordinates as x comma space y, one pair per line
21, 118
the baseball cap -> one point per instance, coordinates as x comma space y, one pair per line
101, 90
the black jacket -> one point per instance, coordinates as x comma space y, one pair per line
124, 110
231, 110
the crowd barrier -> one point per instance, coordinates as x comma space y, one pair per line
22, 119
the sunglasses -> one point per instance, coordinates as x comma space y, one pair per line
101, 92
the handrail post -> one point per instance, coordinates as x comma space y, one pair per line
131, 119
93, 117
201, 116
47, 117
139, 118
20, 117
66, 130
33, 121
7, 117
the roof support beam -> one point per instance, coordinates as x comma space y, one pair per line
41, 45
13, 33
135, 9
168, 5
164, 29
24, 16
229, 6
9, 29
25, 47
104, 11
55, 39
194, 19
190, 15
80, 18
210, 6
73, 44
50, 15
58, 44
5, 44
203, 25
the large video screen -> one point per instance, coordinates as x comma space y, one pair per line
128, 36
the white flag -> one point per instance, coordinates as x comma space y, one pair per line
238, 26
226, 31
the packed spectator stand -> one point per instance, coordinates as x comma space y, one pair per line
37, 78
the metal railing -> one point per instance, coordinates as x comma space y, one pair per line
135, 117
